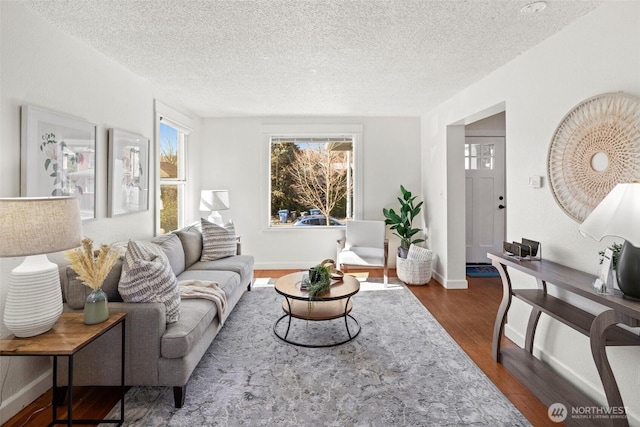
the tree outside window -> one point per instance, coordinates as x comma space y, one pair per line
172, 177
311, 176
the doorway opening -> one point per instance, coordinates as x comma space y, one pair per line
485, 192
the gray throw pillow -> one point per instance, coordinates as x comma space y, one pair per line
217, 241
191, 239
145, 279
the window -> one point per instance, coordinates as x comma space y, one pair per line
173, 181
478, 156
312, 178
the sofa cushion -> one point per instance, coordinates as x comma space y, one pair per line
172, 247
180, 337
217, 241
191, 239
241, 264
146, 280
227, 280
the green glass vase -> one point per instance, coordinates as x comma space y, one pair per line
96, 308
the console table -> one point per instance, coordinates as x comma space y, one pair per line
68, 336
602, 330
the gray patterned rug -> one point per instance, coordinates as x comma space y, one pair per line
403, 369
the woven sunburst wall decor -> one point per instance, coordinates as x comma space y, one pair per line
595, 147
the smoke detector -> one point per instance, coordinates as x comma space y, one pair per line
535, 7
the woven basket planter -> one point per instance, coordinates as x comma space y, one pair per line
416, 268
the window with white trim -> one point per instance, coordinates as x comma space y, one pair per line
173, 178
312, 179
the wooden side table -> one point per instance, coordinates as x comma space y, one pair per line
68, 336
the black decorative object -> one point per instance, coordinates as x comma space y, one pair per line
628, 269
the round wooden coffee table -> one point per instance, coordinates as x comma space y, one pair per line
334, 304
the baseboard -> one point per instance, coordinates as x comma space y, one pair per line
27, 394
438, 277
456, 284
514, 335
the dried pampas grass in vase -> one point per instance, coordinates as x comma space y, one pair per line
92, 268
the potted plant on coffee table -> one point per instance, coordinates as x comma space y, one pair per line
402, 221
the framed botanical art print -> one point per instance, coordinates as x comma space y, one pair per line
58, 157
128, 173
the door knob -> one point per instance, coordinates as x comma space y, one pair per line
501, 206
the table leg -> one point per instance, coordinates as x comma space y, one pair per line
597, 338
346, 323
70, 397
501, 316
290, 316
122, 367
54, 402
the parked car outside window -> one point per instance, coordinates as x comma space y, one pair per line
317, 220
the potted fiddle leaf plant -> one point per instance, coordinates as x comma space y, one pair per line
402, 221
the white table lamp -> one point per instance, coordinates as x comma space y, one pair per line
618, 215
213, 201
34, 227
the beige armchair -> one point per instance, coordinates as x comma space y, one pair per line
364, 246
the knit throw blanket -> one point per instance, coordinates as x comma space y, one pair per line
207, 290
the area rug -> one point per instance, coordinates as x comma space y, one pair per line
482, 271
403, 369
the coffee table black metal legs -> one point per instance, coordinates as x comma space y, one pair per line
351, 335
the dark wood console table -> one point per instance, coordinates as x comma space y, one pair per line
602, 330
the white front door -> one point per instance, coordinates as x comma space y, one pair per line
485, 196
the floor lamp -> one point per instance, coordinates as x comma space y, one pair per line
213, 201
617, 215
34, 227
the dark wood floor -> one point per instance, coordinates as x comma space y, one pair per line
467, 315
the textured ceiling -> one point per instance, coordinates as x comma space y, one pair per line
323, 57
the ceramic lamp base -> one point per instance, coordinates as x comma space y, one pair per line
34, 299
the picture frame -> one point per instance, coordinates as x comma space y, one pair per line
128, 186
58, 157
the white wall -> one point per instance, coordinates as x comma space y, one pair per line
233, 157
597, 54
44, 67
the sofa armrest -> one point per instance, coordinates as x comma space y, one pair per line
99, 362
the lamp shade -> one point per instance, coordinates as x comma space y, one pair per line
616, 215
34, 227
214, 200
39, 225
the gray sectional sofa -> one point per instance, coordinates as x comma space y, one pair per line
157, 353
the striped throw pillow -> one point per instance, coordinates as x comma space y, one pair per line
217, 241
145, 279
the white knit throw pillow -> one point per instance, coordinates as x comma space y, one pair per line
217, 241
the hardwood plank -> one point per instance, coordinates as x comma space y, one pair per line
466, 314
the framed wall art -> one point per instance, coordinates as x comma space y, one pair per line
58, 157
128, 173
